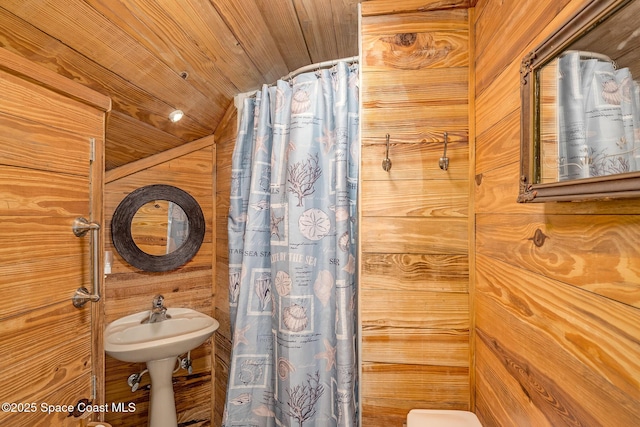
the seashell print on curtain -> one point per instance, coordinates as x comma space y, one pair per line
292, 254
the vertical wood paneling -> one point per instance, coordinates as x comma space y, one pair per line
46, 181
414, 230
556, 324
128, 290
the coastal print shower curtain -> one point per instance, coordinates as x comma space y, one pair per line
599, 118
292, 254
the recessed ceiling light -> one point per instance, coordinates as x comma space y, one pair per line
176, 115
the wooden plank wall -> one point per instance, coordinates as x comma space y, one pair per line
557, 326
225, 137
414, 230
128, 290
46, 181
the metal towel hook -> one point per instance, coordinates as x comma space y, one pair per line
386, 162
444, 160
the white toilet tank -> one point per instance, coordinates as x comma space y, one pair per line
441, 418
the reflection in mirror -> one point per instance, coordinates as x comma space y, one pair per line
581, 108
592, 103
159, 227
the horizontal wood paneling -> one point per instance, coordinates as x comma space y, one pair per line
415, 382
594, 252
596, 361
392, 411
414, 309
46, 181
442, 198
414, 272
409, 125
47, 79
389, 7
128, 290
42, 193
436, 86
414, 233
526, 17
411, 346
415, 160
23, 142
499, 145
556, 324
41, 105
68, 393
434, 49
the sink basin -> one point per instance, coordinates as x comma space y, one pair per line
158, 345
129, 340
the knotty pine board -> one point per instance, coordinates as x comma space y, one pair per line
569, 366
414, 218
598, 253
557, 337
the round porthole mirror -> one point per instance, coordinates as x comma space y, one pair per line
158, 228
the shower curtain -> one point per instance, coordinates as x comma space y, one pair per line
292, 254
599, 118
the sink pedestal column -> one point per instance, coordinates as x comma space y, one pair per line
162, 404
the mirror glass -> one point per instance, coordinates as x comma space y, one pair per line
159, 227
581, 108
590, 104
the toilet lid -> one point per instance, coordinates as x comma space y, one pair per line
441, 418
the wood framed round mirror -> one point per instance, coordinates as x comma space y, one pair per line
166, 217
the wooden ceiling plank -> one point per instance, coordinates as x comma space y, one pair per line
247, 24
158, 158
345, 22
100, 40
129, 140
27, 41
217, 41
154, 27
135, 50
281, 18
316, 19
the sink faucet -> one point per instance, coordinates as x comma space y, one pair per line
158, 311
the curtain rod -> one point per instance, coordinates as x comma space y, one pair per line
318, 66
239, 97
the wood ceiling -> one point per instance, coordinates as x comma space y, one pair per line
154, 56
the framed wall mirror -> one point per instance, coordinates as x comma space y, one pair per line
158, 228
581, 108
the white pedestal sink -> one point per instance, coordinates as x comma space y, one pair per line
159, 345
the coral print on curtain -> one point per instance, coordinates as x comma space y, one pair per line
292, 254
